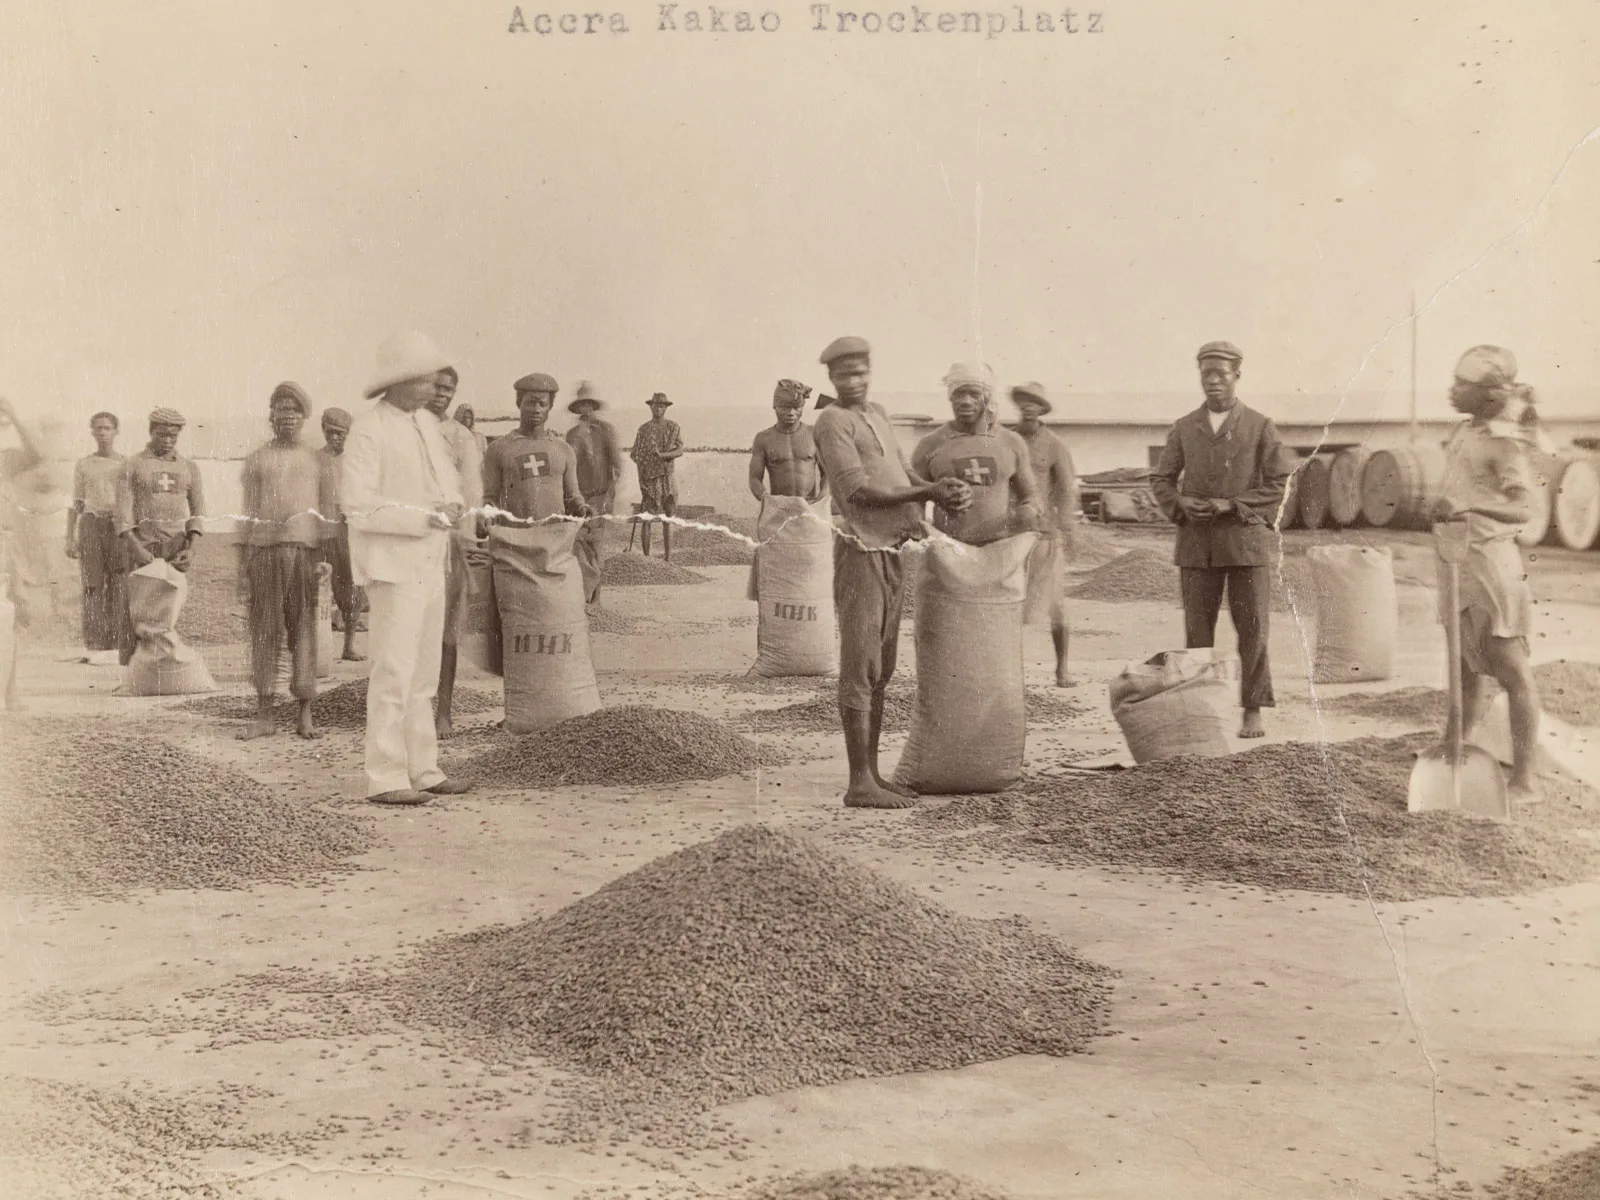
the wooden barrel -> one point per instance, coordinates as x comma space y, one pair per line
1543, 468
1313, 491
1288, 515
1344, 485
1575, 504
1398, 487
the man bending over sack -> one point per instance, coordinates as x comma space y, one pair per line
289, 504
1488, 485
1220, 480
879, 503
159, 508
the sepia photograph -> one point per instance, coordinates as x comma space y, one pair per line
800, 601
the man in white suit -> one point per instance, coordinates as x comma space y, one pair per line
402, 497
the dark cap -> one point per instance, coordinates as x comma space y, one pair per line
843, 348
335, 418
1225, 350
790, 391
659, 398
537, 382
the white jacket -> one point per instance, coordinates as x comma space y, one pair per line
397, 472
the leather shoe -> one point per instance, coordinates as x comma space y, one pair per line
400, 797
449, 787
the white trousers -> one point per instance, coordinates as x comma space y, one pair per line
405, 633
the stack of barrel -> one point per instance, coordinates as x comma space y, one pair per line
1396, 488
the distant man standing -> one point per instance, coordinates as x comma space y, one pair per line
466, 416
288, 494
531, 473
92, 539
13, 464
402, 499
469, 469
1221, 479
1057, 482
336, 547
879, 503
656, 447
992, 461
160, 507
594, 441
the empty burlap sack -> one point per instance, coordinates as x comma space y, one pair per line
163, 664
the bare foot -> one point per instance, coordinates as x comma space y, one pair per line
259, 728
1063, 680
897, 789
350, 655
442, 728
1251, 727
870, 795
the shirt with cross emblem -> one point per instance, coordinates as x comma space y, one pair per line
530, 477
158, 498
994, 464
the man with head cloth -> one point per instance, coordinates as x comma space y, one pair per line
160, 507
347, 597
783, 457
594, 443
92, 538
1221, 479
1057, 481
402, 499
992, 461
289, 508
1489, 487
879, 504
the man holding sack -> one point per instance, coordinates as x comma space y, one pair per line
160, 507
402, 499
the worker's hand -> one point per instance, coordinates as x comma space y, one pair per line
183, 558
951, 495
1195, 508
142, 556
579, 509
1444, 509
72, 548
1220, 507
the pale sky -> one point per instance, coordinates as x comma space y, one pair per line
202, 199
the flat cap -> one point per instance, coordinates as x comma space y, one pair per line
1225, 350
166, 416
537, 382
1032, 391
291, 391
335, 418
843, 347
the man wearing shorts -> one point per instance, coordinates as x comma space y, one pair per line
1487, 484
879, 505
656, 447
1057, 484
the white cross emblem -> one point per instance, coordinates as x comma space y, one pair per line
535, 464
165, 481
976, 471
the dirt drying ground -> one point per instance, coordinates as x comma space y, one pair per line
1261, 1043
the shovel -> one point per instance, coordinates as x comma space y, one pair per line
1455, 774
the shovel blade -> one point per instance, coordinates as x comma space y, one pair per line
1471, 783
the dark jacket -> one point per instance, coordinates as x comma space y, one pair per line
1245, 461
